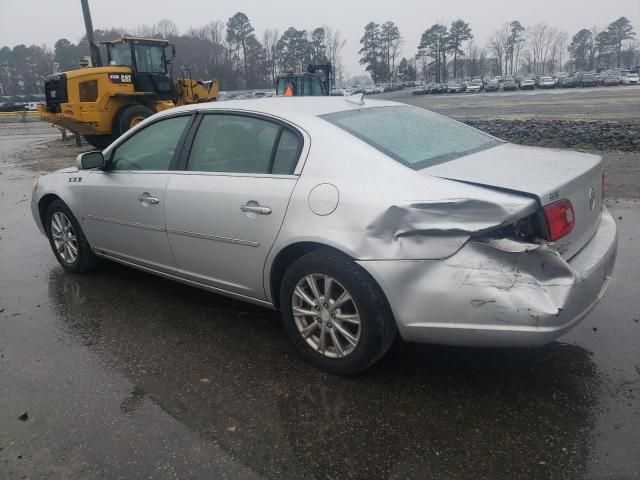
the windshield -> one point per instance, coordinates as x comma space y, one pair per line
414, 137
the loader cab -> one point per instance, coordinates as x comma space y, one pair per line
315, 82
299, 85
148, 61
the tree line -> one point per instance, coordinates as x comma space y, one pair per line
235, 54
449, 51
231, 52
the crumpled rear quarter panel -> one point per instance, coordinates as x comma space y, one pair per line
485, 295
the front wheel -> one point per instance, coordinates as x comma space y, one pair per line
67, 240
335, 313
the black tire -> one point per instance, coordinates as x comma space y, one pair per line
99, 141
377, 326
85, 260
129, 116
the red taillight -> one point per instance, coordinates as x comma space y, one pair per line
560, 219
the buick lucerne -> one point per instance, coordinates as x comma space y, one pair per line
358, 220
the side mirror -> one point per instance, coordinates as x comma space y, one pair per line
89, 160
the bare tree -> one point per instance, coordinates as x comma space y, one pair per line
560, 45
593, 47
166, 28
540, 39
498, 44
335, 44
269, 41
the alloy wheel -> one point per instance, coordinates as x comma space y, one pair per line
326, 315
64, 237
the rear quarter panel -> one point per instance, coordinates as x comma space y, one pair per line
375, 214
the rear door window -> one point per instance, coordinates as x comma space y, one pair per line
243, 144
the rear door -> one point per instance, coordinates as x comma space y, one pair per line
225, 210
125, 203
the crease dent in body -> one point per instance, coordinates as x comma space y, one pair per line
448, 217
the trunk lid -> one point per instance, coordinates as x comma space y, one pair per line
547, 174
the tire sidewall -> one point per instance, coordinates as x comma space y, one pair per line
366, 296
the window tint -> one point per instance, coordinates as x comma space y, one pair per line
151, 148
287, 153
413, 136
233, 143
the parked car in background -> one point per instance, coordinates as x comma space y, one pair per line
546, 82
527, 84
475, 86
421, 90
12, 106
455, 87
588, 80
509, 84
566, 82
631, 79
611, 81
492, 86
287, 204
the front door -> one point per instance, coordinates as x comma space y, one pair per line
224, 212
125, 203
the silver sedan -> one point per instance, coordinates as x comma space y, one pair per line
357, 220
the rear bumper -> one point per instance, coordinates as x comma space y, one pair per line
489, 295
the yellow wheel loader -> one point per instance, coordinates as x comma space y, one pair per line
102, 102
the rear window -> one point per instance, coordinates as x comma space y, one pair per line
414, 137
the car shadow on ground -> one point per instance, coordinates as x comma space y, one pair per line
227, 371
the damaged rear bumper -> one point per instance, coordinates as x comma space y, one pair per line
498, 293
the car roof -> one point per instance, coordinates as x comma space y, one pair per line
288, 106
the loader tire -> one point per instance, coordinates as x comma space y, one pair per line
130, 116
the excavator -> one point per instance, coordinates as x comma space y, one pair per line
100, 102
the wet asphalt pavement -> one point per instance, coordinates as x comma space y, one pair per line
126, 375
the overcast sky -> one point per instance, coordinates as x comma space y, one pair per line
45, 21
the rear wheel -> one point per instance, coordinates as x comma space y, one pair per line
99, 141
335, 313
131, 116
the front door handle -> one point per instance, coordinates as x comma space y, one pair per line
256, 209
146, 198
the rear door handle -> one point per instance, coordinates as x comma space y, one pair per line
256, 209
146, 198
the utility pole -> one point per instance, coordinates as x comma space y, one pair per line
94, 50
